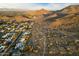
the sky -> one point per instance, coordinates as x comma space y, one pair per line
35, 6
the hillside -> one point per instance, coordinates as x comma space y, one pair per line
69, 20
63, 33
70, 9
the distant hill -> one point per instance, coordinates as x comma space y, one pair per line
46, 15
20, 14
38, 12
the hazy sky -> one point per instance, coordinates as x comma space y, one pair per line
34, 6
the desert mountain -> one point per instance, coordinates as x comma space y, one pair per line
71, 9
20, 14
38, 12
71, 20
66, 22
